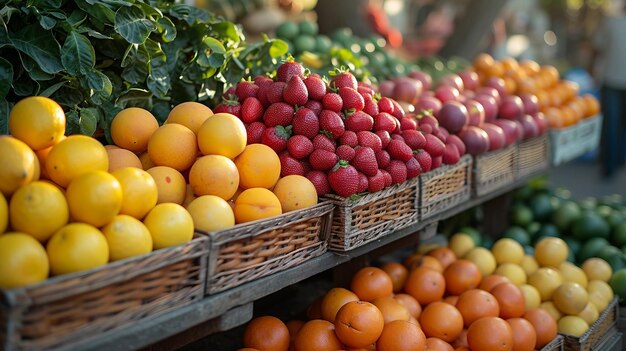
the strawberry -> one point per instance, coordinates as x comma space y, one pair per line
275, 92
331, 122
408, 123
365, 161
276, 137
363, 183
398, 150
364, 89
450, 154
398, 111
345, 152
383, 158
376, 182
441, 133
386, 105
351, 98
397, 137
254, 132
306, 165
289, 69
425, 128
369, 139
370, 107
316, 87
320, 182
246, 89
295, 92
385, 138
323, 142
343, 79
397, 170
305, 123
263, 81
413, 168
424, 159
343, 179
229, 94
314, 106
299, 146
349, 138
290, 166
454, 139
359, 121
414, 139
278, 114
434, 146
387, 178
384, 121
252, 110
437, 162
262, 94
229, 106
332, 101
323, 160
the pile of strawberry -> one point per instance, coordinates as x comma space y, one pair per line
337, 133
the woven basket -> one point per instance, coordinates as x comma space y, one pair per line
70, 308
533, 156
555, 345
494, 170
445, 187
597, 331
373, 216
256, 249
571, 142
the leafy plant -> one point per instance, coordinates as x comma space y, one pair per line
96, 57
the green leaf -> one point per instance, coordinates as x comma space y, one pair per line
77, 18
4, 34
47, 22
189, 14
214, 44
25, 86
52, 89
57, 14
278, 48
229, 30
41, 46
97, 12
78, 56
167, 28
135, 64
98, 82
160, 110
216, 60
93, 33
150, 10
153, 48
68, 96
88, 120
73, 122
4, 116
131, 24
55, 4
6, 77
159, 82
115, 3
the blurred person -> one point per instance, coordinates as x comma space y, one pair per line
609, 43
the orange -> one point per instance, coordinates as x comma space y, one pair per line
132, 128
436, 344
510, 299
169, 224
371, 282
19, 164
401, 336
94, 198
191, 114
266, 333
592, 106
570, 298
524, 335
531, 67
190, 196
4, 214
359, 324
211, 213
483, 61
441, 320
139, 191
475, 304
146, 162
173, 145
444, 255
334, 299
391, 309
214, 175
127, 237
73, 156
293, 326
259, 167
425, 285
545, 326
38, 121
120, 158
490, 333
460, 276
410, 303
256, 203
222, 134
460, 343
77, 247
317, 335
490, 281
551, 252
398, 274
23, 261
419, 260
171, 186
295, 192
451, 299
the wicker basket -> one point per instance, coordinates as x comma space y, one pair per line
533, 156
256, 249
494, 170
555, 345
445, 187
569, 143
71, 308
372, 216
597, 331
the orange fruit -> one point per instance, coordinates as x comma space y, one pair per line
169, 224
222, 134
23, 260
146, 162
570, 298
293, 326
171, 186
139, 191
256, 203
77, 247
120, 158
371, 282
42, 156
190, 196
317, 335
441, 320
483, 61
401, 336
592, 106
211, 213
425, 285
475, 304
398, 274
132, 128
173, 145
19, 164
127, 237
73, 156
94, 197
191, 114
490, 333
334, 299
510, 299
545, 326
418, 260
444, 255
524, 335
359, 324
214, 175
551, 252
490, 281
259, 167
4, 214
531, 67
436, 344
460, 276
410, 303
451, 299
391, 309
38, 121
460, 343
266, 333
295, 192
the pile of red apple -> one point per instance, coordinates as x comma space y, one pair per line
337, 132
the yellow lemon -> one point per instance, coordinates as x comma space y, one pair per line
551, 251
572, 273
73, 156
139, 191
295, 192
514, 272
4, 214
532, 298
94, 198
507, 250
570, 298
211, 213
483, 258
23, 260
169, 224
38, 121
589, 314
546, 280
222, 134
19, 164
529, 264
127, 237
572, 325
77, 247
602, 287
549, 307
597, 269
461, 244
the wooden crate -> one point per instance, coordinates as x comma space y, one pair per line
494, 170
597, 331
71, 308
533, 155
445, 187
363, 219
571, 142
256, 249
555, 345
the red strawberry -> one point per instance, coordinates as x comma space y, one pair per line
278, 114
450, 155
413, 168
320, 182
397, 137
363, 183
229, 94
385, 138
252, 110
343, 79
290, 166
275, 92
229, 106
365, 161
425, 128
299, 146
323, 160
323, 142
398, 111
437, 162
397, 170
376, 183
343, 179
307, 166
425, 160
332, 101
441, 133
351, 98
369, 139
359, 121
408, 123
349, 138
364, 89
387, 178
314, 106
454, 139
255, 132
305, 123
331, 122
316, 87
384, 121
370, 107
398, 150
295, 92
276, 137
263, 81
386, 105
262, 94
434, 146
383, 158
289, 69
246, 89
345, 152
414, 139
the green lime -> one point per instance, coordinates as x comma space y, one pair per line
563, 193
473, 233
304, 43
589, 203
591, 247
541, 206
613, 256
533, 228
615, 218
573, 245
567, 213
343, 36
323, 44
624, 249
590, 225
308, 28
604, 210
521, 215
287, 30
618, 236
618, 283
518, 234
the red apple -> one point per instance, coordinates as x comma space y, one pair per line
425, 78
530, 102
542, 122
490, 106
452, 80
470, 80
446, 93
454, 139
453, 116
511, 107
407, 89
497, 138
426, 103
509, 128
475, 139
496, 83
530, 128
475, 112
490, 91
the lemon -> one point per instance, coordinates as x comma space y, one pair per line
601, 287
572, 273
546, 281
169, 224
551, 251
597, 269
211, 213
514, 272
94, 198
23, 260
570, 298
139, 191
507, 250
77, 247
549, 307
19, 164
73, 156
589, 314
572, 325
482, 258
38, 121
529, 264
461, 244
532, 298
127, 237
4, 214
